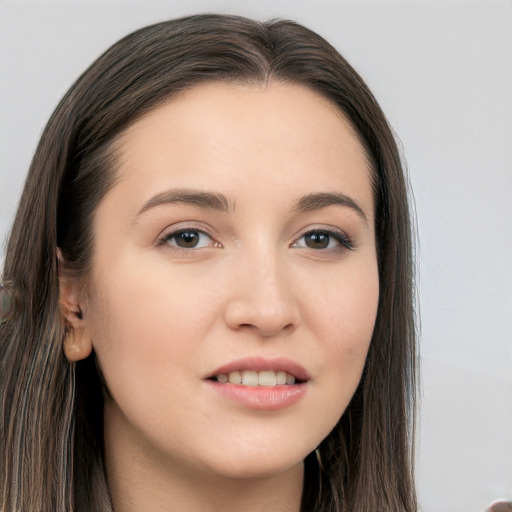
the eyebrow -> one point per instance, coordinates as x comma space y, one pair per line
219, 202
209, 200
321, 200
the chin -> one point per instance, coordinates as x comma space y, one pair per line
258, 464
258, 470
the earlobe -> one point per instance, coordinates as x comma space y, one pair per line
77, 344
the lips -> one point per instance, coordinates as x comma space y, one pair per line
257, 383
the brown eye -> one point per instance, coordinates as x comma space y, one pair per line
317, 240
323, 239
188, 239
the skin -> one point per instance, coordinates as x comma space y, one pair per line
162, 318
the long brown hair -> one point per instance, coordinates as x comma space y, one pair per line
51, 439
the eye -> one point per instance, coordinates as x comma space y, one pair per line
323, 239
187, 239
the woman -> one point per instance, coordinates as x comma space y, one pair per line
211, 263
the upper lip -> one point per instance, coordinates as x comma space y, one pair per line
260, 364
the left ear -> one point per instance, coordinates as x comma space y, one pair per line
77, 341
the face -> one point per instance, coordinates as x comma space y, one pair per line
234, 283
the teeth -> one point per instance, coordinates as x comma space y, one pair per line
290, 379
252, 378
267, 379
249, 378
235, 378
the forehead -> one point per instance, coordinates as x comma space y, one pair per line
233, 134
275, 108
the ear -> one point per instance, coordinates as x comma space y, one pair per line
77, 341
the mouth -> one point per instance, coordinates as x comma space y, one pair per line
253, 378
268, 384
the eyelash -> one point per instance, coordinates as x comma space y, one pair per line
166, 239
339, 236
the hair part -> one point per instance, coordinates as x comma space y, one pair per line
52, 410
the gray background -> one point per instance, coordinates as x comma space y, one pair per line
442, 71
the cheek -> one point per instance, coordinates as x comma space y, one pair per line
143, 331
345, 317
348, 308
344, 328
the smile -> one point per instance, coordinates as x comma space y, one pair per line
265, 378
268, 384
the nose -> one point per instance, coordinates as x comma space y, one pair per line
262, 298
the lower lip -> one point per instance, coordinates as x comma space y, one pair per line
261, 397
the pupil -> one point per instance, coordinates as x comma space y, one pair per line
317, 240
187, 239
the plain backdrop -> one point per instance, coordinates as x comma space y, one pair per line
442, 71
